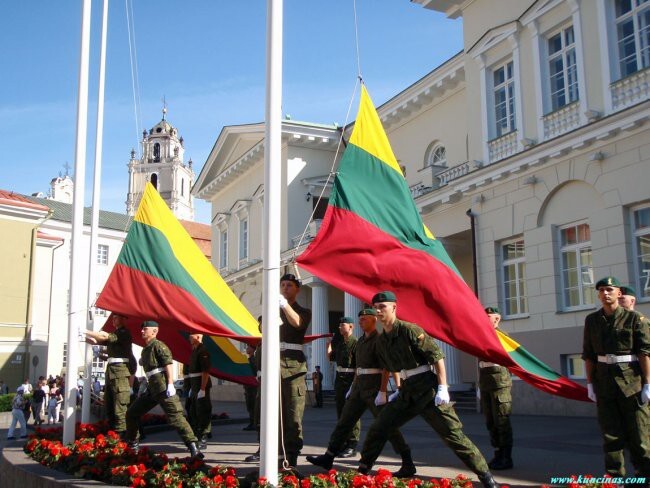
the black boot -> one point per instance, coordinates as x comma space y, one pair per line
488, 480
195, 452
503, 462
407, 469
325, 461
363, 469
496, 458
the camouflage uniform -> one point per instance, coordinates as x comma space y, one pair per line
156, 355
117, 394
200, 414
293, 368
362, 398
186, 388
495, 384
250, 393
344, 356
407, 347
624, 420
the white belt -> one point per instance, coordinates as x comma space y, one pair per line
288, 345
407, 373
341, 369
192, 375
369, 371
613, 358
485, 364
259, 375
149, 374
117, 360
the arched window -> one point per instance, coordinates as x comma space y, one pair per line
436, 155
156, 153
154, 180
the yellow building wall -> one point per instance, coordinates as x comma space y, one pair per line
16, 249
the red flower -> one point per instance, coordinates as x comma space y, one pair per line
132, 469
54, 450
261, 481
231, 481
305, 483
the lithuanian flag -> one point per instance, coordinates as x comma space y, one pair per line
372, 239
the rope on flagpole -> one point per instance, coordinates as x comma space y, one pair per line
135, 84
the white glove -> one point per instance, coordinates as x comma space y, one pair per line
590, 392
645, 394
283, 302
131, 390
393, 396
347, 395
200, 394
171, 391
380, 399
189, 392
442, 397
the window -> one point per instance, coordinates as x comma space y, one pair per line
320, 207
156, 153
182, 187
575, 366
102, 254
504, 99
65, 354
154, 180
641, 236
98, 363
577, 273
514, 278
436, 156
563, 72
100, 312
223, 249
632, 35
243, 239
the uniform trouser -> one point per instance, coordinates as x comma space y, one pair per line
354, 408
293, 407
250, 395
170, 405
443, 419
117, 395
342, 385
497, 407
318, 393
625, 421
200, 415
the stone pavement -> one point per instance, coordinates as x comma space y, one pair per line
544, 446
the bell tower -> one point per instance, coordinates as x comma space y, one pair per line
162, 164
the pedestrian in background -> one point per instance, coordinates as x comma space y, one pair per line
18, 415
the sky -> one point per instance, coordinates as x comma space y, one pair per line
207, 59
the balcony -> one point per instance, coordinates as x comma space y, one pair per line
453, 173
562, 120
502, 147
630, 90
312, 230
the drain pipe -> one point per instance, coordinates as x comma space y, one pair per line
472, 219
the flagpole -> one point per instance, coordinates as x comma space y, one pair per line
94, 226
271, 259
77, 306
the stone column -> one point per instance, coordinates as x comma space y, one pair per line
451, 364
352, 307
320, 325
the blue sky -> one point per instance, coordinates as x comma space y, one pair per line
207, 58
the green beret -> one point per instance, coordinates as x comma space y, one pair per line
291, 277
628, 290
346, 320
368, 311
149, 323
384, 296
608, 281
489, 310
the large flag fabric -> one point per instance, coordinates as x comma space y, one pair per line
372, 238
162, 275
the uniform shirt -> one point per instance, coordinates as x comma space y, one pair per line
199, 363
156, 355
366, 357
407, 346
293, 362
344, 353
625, 332
119, 346
494, 377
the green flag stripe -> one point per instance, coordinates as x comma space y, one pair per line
146, 246
533, 365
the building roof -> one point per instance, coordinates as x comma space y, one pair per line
63, 212
17, 200
201, 235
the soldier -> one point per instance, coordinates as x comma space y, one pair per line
293, 365
368, 392
117, 390
628, 297
250, 391
405, 348
200, 414
317, 382
343, 353
495, 384
157, 364
616, 351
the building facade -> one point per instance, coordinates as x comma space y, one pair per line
527, 155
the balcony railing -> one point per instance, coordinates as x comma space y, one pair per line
312, 230
502, 147
631, 89
562, 120
453, 173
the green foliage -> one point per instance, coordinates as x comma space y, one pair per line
5, 402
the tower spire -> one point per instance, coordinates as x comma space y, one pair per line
164, 110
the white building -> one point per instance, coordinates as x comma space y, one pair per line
529, 148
